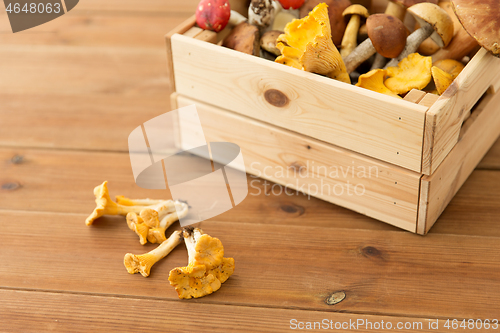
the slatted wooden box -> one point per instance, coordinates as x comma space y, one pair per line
408, 158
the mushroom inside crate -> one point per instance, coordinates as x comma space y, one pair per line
309, 43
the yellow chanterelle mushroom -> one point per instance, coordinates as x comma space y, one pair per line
413, 72
307, 44
207, 268
374, 80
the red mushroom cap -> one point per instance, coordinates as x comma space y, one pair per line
213, 14
294, 4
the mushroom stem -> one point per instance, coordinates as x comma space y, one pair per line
143, 263
379, 62
236, 18
412, 43
364, 51
349, 42
396, 10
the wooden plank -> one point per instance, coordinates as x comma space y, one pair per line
131, 6
444, 120
42, 177
428, 100
76, 93
102, 29
51, 312
276, 266
180, 29
492, 159
480, 132
316, 106
365, 185
415, 96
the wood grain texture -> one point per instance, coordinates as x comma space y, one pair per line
479, 133
62, 181
81, 313
362, 184
319, 107
291, 267
492, 159
108, 29
444, 120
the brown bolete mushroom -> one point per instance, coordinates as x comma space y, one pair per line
268, 42
481, 19
244, 38
461, 44
335, 10
434, 22
354, 14
397, 8
387, 36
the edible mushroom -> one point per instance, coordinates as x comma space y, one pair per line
207, 268
245, 38
335, 10
387, 36
307, 45
444, 72
143, 263
374, 80
413, 72
261, 13
434, 23
106, 206
354, 13
481, 19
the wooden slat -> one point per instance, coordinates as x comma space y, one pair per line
180, 29
45, 178
79, 97
479, 133
386, 273
63, 182
415, 96
333, 174
51, 312
492, 159
444, 120
319, 107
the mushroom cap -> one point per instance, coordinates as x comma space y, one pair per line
374, 80
430, 14
261, 13
481, 19
335, 10
307, 45
444, 72
413, 72
387, 33
356, 10
193, 281
409, 3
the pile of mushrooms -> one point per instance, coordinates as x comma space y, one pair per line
149, 219
414, 44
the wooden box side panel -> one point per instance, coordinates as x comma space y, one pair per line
180, 29
360, 120
445, 118
348, 179
479, 133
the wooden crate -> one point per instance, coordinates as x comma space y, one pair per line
423, 147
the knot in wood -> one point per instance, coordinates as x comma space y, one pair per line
10, 186
276, 98
335, 298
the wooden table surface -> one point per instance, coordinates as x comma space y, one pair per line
73, 89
